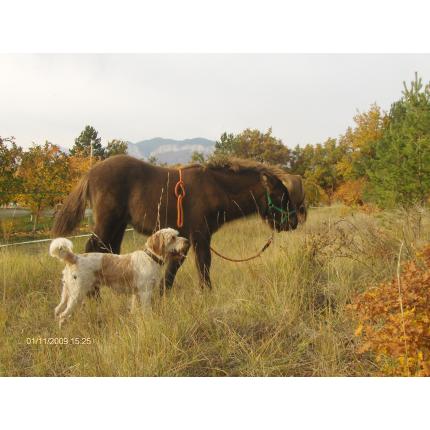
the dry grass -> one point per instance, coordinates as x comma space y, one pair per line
283, 314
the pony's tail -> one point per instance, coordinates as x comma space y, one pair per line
62, 249
73, 210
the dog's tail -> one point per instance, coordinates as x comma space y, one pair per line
73, 209
61, 248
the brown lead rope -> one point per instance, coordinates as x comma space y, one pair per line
267, 244
180, 194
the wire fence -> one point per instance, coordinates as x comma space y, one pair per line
32, 192
28, 242
48, 240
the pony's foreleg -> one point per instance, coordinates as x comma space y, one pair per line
172, 268
203, 259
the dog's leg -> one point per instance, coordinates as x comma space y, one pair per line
145, 299
73, 301
134, 303
63, 301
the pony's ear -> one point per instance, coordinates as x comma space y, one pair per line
156, 244
268, 182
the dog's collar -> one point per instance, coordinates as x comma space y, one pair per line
154, 257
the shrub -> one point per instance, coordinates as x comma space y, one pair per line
315, 195
351, 192
394, 320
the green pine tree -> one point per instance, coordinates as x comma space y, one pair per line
116, 147
82, 146
400, 172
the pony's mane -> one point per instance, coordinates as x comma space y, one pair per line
237, 165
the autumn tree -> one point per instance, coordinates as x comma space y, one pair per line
298, 160
44, 172
82, 146
320, 163
10, 156
351, 192
116, 147
359, 143
353, 153
400, 171
226, 145
77, 167
252, 143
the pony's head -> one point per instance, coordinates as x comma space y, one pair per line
277, 206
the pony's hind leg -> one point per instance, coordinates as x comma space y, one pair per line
107, 238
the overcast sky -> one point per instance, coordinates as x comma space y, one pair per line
304, 98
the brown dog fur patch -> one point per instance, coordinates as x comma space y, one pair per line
115, 270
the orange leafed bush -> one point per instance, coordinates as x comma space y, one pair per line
369, 208
351, 192
399, 340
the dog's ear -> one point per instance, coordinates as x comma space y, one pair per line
173, 235
156, 244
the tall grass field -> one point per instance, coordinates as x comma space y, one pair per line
283, 314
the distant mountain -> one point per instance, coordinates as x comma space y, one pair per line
169, 150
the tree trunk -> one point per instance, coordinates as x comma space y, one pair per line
35, 219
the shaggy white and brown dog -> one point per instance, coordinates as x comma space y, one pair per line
137, 273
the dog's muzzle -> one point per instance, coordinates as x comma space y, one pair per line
182, 252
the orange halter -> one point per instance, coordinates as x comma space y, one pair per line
180, 194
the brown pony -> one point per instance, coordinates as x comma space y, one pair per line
124, 190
